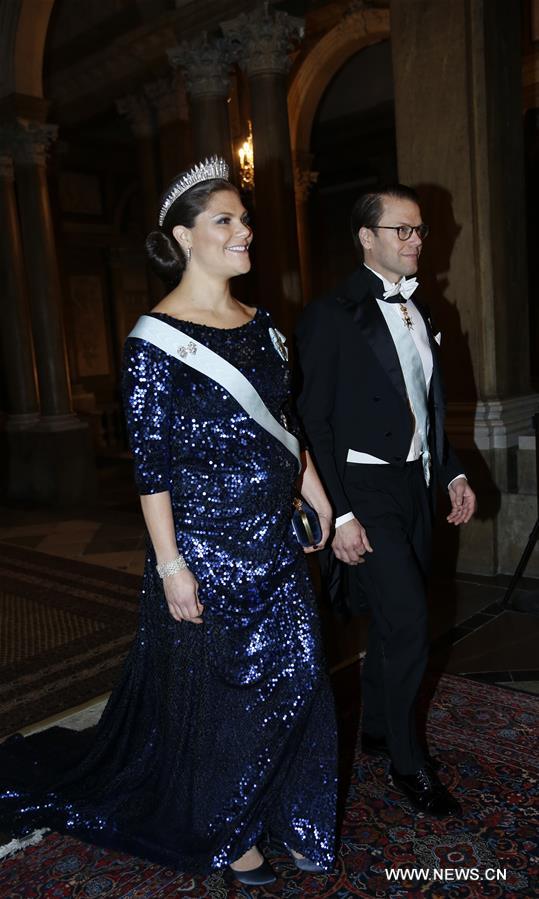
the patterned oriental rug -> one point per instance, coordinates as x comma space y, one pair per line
486, 738
65, 628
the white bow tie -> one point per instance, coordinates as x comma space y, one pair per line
405, 288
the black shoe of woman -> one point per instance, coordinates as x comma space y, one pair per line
304, 864
255, 877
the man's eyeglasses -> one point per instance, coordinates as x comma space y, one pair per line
404, 232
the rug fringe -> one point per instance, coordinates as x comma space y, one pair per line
16, 846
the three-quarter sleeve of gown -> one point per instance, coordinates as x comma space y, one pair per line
147, 400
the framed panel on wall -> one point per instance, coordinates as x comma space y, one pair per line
88, 324
80, 194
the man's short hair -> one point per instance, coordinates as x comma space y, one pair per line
368, 208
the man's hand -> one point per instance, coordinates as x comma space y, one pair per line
463, 502
350, 542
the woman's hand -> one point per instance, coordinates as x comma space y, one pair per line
181, 594
312, 491
325, 524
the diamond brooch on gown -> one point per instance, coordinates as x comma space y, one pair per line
184, 351
279, 342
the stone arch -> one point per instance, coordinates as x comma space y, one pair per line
358, 29
355, 31
28, 48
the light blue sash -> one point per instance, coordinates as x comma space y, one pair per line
182, 347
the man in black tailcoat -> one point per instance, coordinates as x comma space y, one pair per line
372, 406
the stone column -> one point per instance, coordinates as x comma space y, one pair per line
56, 455
304, 178
31, 147
206, 65
457, 71
168, 99
138, 112
16, 333
262, 41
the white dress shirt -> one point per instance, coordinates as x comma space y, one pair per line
419, 334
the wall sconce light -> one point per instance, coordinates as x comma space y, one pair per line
246, 158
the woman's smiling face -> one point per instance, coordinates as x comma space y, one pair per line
220, 237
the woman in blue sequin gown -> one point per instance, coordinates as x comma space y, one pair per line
222, 727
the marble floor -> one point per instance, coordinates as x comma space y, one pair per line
472, 634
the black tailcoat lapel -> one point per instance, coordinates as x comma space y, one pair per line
358, 295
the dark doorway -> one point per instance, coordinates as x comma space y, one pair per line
354, 147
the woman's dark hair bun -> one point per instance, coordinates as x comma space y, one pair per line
164, 252
165, 257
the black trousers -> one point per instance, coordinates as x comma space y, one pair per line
393, 506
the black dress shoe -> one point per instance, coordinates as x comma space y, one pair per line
255, 877
425, 792
377, 746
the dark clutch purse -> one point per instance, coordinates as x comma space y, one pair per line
306, 523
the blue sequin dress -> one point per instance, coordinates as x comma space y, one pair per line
222, 731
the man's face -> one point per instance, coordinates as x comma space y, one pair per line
383, 250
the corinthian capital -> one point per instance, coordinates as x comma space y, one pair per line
137, 111
304, 176
6, 167
206, 65
7, 144
28, 143
263, 39
167, 97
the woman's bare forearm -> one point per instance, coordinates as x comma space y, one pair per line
180, 588
312, 489
157, 511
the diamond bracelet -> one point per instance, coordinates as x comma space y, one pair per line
167, 569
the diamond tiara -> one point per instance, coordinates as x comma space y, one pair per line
214, 167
